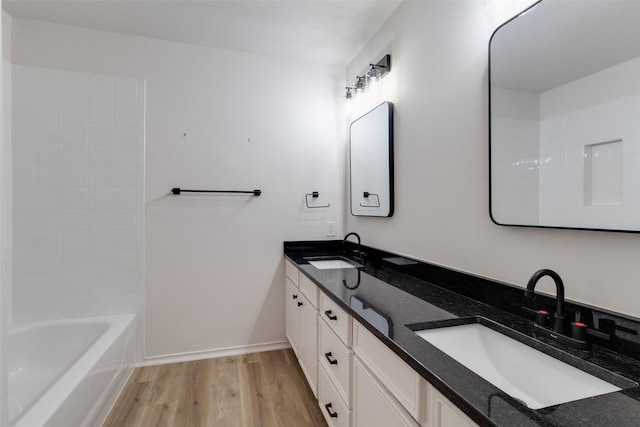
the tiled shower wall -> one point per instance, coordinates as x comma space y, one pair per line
78, 175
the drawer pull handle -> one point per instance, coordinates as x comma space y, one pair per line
299, 304
294, 296
330, 316
331, 361
329, 411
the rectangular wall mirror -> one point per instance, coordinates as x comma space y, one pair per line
371, 154
564, 82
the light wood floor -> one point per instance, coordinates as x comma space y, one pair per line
261, 389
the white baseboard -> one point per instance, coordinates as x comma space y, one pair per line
211, 354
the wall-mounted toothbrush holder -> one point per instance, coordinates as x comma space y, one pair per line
314, 195
366, 195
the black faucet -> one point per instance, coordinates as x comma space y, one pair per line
559, 318
358, 254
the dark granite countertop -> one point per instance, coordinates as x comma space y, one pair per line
391, 292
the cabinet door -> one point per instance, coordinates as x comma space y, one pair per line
308, 342
292, 298
446, 414
373, 405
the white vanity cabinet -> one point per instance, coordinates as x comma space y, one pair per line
358, 380
301, 322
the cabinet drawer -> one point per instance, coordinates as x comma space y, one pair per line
372, 403
309, 289
333, 408
337, 360
400, 379
337, 319
291, 271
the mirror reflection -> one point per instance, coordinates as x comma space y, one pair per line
371, 153
564, 116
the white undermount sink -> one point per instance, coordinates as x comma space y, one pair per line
523, 372
327, 263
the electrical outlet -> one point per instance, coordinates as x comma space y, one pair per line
331, 228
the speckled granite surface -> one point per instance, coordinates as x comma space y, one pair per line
389, 293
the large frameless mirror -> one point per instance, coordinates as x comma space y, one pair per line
565, 116
371, 154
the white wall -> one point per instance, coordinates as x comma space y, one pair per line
5, 209
439, 50
214, 271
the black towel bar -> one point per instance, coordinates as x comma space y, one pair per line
182, 190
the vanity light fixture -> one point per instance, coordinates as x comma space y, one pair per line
349, 93
375, 73
380, 68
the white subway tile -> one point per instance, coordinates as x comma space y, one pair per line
24, 197
49, 154
48, 220
50, 308
129, 281
125, 156
140, 302
48, 241
125, 198
75, 110
100, 87
125, 177
24, 175
75, 154
48, 198
100, 241
75, 132
48, 84
75, 306
100, 177
49, 131
76, 263
75, 176
48, 264
23, 83
101, 262
75, 198
127, 261
100, 155
24, 121
49, 176
49, 109
75, 241
100, 134
24, 310
124, 219
101, 112
100, 219
24, 287
24, 220
124, 241
24, 242
100, 198
24, 265
124, 303
24, 152
76, 285
126, 135
75, 85
49, 286
100, 305
100, 283
75, 219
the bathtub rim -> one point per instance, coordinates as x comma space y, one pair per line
54, 397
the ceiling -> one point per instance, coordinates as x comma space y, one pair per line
324, 31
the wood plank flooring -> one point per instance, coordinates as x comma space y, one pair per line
265, 389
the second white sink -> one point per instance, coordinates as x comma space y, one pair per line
523, 372
332, 263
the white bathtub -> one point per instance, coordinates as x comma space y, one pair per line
68, 372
